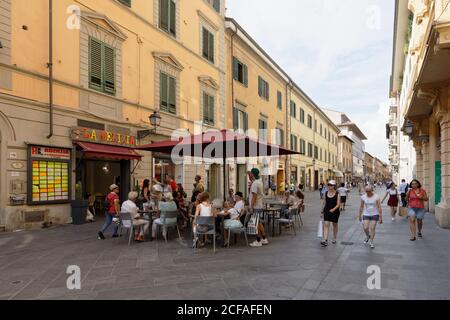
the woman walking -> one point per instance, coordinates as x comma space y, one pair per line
371, 206
416, 208
393, 201
331, 213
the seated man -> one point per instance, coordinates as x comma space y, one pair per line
140, 224
234, 213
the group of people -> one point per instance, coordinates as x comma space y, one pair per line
412, 195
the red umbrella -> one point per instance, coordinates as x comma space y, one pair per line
222, 144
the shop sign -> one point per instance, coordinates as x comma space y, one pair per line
50, 153
104, 137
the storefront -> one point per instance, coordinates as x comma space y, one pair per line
103, 158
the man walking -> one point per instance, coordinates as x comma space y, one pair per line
403, 189
112, 211
256, 204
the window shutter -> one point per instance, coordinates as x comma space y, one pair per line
211, 47
172, 19
205, 43
216, 5
95, 64
164, 14
235, 119
163, 92
235, 69
109, 70
245, 70
260, 86
211, 110
172, 95
267, 91
205, 107
245, 121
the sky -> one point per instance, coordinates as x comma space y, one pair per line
338, 51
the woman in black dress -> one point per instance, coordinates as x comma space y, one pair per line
330, 212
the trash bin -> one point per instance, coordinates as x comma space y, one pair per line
79, 211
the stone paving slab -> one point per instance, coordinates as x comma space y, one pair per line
33, 264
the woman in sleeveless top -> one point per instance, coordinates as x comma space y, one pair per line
417, 196
331, 213
392, 193
204, 209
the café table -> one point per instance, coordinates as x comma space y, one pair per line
272, 214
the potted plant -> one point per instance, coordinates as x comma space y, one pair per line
79, 206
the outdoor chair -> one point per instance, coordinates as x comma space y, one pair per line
240, 230
165, 225
290, 221
210, 222
126, 222
298, 217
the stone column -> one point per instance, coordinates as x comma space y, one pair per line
443, 208
434, 156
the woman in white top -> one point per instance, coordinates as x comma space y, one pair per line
371, 207
141, 225
235, 214
204, 209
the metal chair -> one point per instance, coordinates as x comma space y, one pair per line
165, 224
126, 222
289, 221
210, 222
298, 217
243, 229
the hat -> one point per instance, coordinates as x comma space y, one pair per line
332, 182
239, 194
255, 173
113, 186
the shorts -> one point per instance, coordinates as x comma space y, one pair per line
371, 218
233, 224
417, 213
343, 199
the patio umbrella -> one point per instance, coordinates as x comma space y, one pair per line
222, 144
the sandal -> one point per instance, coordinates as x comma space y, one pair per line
420, 235
412, 239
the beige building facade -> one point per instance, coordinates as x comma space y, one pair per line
345, 157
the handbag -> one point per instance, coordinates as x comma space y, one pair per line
403, 212
252, 226
320, 229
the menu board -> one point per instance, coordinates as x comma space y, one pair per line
50, 178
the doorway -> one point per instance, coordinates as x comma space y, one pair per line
241, 180
316, 180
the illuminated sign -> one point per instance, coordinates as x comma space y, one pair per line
104, 137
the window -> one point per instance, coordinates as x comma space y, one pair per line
329, 136
325, 155
168, 99
208, 109
310, 150
294, 143
262, 130
279, 100
102, 67
215, 4
126, 2
320, 154
167, 16
309, 121
302, 116
293, 110
315, 125
240, 120
208, 45
240, 72
316, 153
263, 88
325, 133
279, 139
302, 146
329, 157
321, 129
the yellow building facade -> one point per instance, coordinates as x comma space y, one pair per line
113, 64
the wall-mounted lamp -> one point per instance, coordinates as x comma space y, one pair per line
1, 45
409, 127
155, 122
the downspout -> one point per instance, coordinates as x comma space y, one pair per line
288, 164
50, 67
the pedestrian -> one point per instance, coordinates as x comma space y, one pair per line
323, 190
204, 209
331, 213
199, 187
403, 189
141, 225
370, 214
112, 211
343, 193
321, 186
256, 204
392, 193
416, 197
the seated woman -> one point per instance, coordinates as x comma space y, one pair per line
288, 200
204, 209
166, 205
140, 224
235, 214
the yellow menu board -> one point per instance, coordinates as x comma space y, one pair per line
50, 181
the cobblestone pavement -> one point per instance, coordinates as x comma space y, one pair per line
33, 265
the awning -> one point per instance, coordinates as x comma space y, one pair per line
102, 151
338, 173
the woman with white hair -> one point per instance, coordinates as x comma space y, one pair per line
166, 205
141, 225
371, 206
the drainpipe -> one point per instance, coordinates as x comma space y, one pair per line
50, 67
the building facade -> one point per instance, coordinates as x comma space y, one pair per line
420, 79
69, 133
345, 157
369, 168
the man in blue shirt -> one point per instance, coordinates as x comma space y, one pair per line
403, 190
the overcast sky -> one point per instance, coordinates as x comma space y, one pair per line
338, 51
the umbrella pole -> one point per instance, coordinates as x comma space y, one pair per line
224, 179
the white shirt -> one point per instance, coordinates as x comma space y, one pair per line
393, 192
370, 205
130, 207
403, 187
342, 191
236, 211
205, 211
258, 189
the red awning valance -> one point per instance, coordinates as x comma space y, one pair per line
101, 151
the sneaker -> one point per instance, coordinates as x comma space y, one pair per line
256, 244
372, 246
367, 240
101, 236
265, 241
334, 242
324, 243
393, 219
420, 235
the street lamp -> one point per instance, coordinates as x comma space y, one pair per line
155, 122
409, 127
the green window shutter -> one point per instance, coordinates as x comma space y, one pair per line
235, 119
164, 101
95, 64
172, 95
260, 86
205, 107
109, 70
267, 91
205, 43
282, 137
211, 47
245, 121
235, 69
126, 2
211, 110
164, 14
172, 17
216, 5
245, 75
